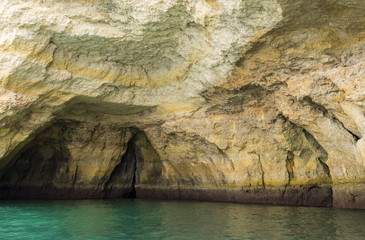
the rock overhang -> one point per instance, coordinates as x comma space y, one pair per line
227, 76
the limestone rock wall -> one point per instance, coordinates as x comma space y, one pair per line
242, 100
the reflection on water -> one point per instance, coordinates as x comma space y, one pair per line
144, 219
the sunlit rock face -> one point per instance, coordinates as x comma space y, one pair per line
245, 100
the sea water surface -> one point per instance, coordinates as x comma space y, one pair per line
150, 219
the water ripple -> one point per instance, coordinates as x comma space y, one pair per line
147, 219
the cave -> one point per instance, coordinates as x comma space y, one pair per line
72, 160
84, 160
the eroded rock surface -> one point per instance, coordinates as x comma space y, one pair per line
242, 100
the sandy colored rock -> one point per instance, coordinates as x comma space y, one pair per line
242, 100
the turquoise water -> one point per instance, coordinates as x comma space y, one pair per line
147, 219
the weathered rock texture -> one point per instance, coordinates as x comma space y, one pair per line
242, 100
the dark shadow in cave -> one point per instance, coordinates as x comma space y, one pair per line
37, 164
140, 158
122, 180
45, 167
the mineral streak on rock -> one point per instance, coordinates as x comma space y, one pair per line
258, 101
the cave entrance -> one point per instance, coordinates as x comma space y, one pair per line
140, 166
126, 173
82, 160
